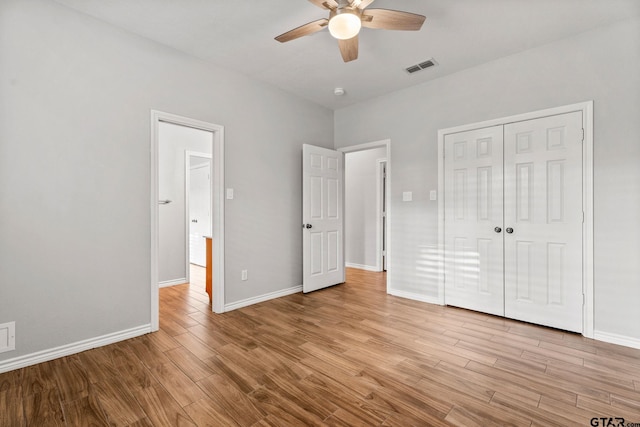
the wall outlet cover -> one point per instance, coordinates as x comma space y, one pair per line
407, 196
7, 337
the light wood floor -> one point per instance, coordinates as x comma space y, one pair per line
348, 356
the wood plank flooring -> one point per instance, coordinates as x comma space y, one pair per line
350, 355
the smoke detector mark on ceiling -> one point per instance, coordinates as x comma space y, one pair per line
421, 66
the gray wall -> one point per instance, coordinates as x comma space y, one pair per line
173, 142
75, 101
361, 207
601, 65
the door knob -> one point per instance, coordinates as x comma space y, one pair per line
509, 230
307, 225
497, 229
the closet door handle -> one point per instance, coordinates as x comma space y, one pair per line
497, 229
509, 230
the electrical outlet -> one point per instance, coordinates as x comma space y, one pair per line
244, 275
7, 337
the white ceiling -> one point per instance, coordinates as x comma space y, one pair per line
458, 34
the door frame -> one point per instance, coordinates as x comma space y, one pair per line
386, 143
381, 213
217, 200
188, 154
587, 197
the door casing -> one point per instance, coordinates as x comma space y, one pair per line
587, 198
217, 198
381, 214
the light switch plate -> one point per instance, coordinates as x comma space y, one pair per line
432, 195
407, 196
229, 193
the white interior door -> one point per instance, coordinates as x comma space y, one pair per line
543, 220
322, 215
199, 209
474, 220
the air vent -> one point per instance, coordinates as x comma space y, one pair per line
421, 66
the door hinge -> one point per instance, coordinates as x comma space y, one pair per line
583, 217
582, 138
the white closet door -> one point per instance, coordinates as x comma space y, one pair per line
474, 220
543, 207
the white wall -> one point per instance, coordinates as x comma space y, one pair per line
361, 207
600, 65
173, 141
75, 101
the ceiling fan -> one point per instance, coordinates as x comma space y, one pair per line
346, 17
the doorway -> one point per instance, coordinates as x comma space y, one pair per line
365, 209
367, 219
169, 237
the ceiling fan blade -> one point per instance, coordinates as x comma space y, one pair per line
303, 30
349, 49
361, 4
325, 4
385, 19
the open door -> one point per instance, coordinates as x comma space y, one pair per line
322, 217
198, 190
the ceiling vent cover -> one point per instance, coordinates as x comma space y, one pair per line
421, 66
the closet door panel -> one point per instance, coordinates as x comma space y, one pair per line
543, 207
473, 210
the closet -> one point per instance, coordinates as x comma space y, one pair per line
513, 220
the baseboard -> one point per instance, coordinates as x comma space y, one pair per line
617, 339
362, 267
168, 283
414, 296
66, 350
262, 298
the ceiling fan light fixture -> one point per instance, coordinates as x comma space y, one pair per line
345, 24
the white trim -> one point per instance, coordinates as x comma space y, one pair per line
367, 146
217, 213
175, 282
617, 339
380, 192
588, 317
587, 200
413, 296
363, 267
188, 154
73, 348
262, 298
